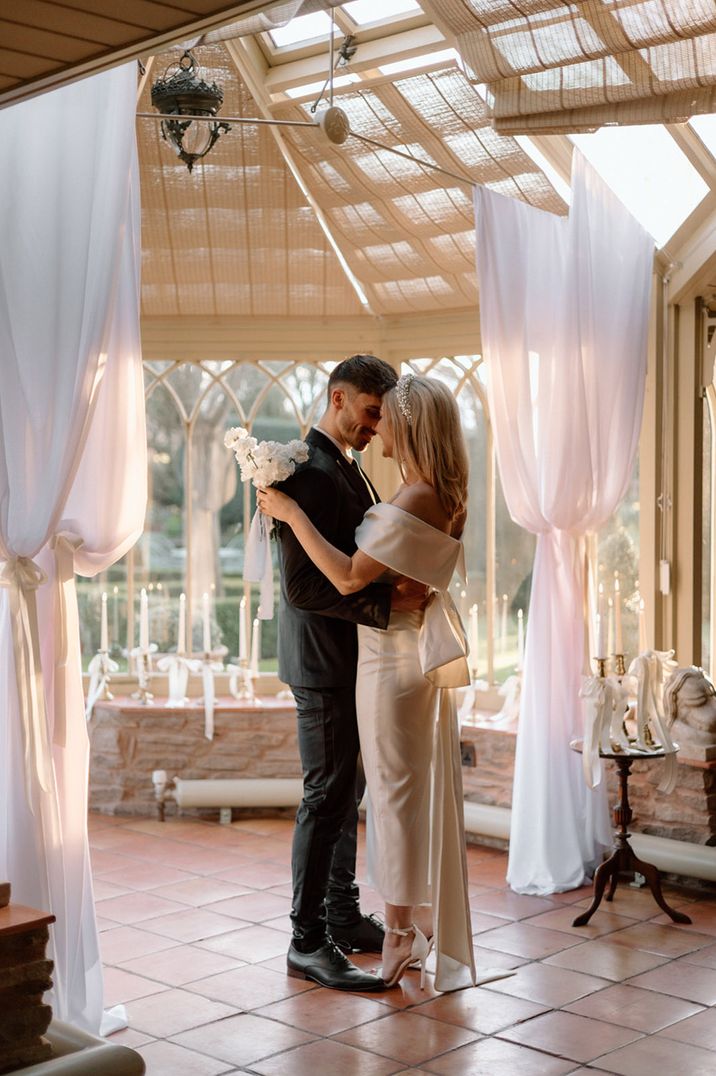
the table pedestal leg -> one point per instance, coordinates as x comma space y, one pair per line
623, 859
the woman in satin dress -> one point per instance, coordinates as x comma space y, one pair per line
406, 711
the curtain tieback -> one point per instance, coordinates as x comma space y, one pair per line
22, 576
64, 545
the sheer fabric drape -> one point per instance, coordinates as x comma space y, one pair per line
564, 308
72, 478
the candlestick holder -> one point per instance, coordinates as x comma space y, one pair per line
241, 684
144, 674
620, 733
601, 667
106, 667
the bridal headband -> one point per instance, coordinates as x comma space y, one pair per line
402, 391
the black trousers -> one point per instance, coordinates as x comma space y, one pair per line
324, 841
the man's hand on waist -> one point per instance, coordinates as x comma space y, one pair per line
409, 596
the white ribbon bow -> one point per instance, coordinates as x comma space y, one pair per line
99, 669
65, 545
22, 576
602, 697
652, 669
258, 566
178, 668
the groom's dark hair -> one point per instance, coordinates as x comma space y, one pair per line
365, 373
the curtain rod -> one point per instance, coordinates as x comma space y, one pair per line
225, 119
415, 160
314, 124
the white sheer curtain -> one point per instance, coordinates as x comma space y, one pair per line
564, 306
72, 478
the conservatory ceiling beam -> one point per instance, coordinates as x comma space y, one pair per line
691, 257
224, 338
148, 65
248, 60
691, 145
370, 54
557, 149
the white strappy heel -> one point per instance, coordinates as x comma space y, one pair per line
418, 955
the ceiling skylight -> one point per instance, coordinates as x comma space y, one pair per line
316, 87
542, 163
648, 172
304, 28
367, 11
414, 62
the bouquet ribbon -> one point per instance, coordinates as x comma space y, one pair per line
258, 566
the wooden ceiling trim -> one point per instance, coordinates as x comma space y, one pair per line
115, 40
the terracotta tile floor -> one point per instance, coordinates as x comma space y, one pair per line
194, 931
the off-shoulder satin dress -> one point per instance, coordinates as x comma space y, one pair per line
410, 740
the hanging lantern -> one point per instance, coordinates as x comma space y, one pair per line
186, 93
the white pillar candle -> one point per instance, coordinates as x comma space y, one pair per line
103, 634
143, 620
610, 626
601, 609
206, 622
474, 637
115, 614
463, 604
256, 647
520, 638
503, 625
618, 639
601, 636
243, 630
642, 627
181, 632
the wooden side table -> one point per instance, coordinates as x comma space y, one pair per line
623, 858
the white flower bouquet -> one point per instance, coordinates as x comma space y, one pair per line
263, 463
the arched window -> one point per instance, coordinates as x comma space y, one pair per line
199, 511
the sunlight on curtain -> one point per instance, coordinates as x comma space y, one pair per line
574, 292
72, 478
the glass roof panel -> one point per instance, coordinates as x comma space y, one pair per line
705, 127
542, 163
316, 87
304, 28
423, 60
366, 11
648, 172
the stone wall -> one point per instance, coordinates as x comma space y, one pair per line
24, 978
490, 779
129, 741
686, 814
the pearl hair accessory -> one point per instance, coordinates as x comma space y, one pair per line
402, 391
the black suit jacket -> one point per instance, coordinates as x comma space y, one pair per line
317, 638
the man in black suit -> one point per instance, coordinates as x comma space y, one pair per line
318, 651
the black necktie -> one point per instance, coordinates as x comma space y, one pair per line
368, 486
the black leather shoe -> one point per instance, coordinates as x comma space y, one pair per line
328, 966
365, 936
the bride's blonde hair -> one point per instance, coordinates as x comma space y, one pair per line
427, 437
